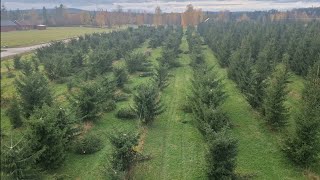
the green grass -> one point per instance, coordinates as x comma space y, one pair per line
33, 37
293, 103
177, 148
259, 151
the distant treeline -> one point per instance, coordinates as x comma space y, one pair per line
62, 16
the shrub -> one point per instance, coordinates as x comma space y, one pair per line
110, 106
121, 97
126, 113
89, 144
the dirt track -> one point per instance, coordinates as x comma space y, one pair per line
9, 52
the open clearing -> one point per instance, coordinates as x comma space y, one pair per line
33, 37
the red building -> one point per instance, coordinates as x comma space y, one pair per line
7, 25
25, 25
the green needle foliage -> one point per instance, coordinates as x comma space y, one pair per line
93, 98
33, 91
135, 62
17, 62
207, 87
51, 129
147, 103
275, 96
222, 154
14, 113
303, 147
123, 155
18, 160
161, 77
121, 75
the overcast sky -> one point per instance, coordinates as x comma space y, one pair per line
166, 5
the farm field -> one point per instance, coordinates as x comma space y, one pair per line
34, 37
172, 144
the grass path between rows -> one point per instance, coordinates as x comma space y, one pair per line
175, 145
259, 151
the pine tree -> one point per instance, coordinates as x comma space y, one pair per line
18, 161
92, 98
275, 96
221, 157
50, 129
303, 147
147, 103
207, 88
33, 91
14, 113
121, 75
123, 155
17, 62
161, 77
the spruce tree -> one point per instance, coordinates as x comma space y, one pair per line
207, 87
123, 155
33, 91
17, 62
161, 77
18, 161
121, 75
275, 96
50, 129
221, 158
14, 113
147, 103
303, 147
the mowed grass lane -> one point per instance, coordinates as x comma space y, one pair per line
175, 145
259, 151
33, 37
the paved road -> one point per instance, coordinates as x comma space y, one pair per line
7, 52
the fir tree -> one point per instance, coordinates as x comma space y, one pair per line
50, 129
33, 91
147, 103
275, 96
221, 157
14, 113
161, 77
18, 161
303, 147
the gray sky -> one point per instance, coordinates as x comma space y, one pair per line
166, 5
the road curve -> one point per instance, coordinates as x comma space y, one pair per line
9, 52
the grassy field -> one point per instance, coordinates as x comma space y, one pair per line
259, 152
33, 37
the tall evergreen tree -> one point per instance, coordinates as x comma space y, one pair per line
123, 155
275, 96
33, 91
14, 113
18, 161
221, 157
121, 75
50, 129
207, 88
147, 103
17, 62
303, 147
161, 77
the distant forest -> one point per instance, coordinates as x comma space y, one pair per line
62, 16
